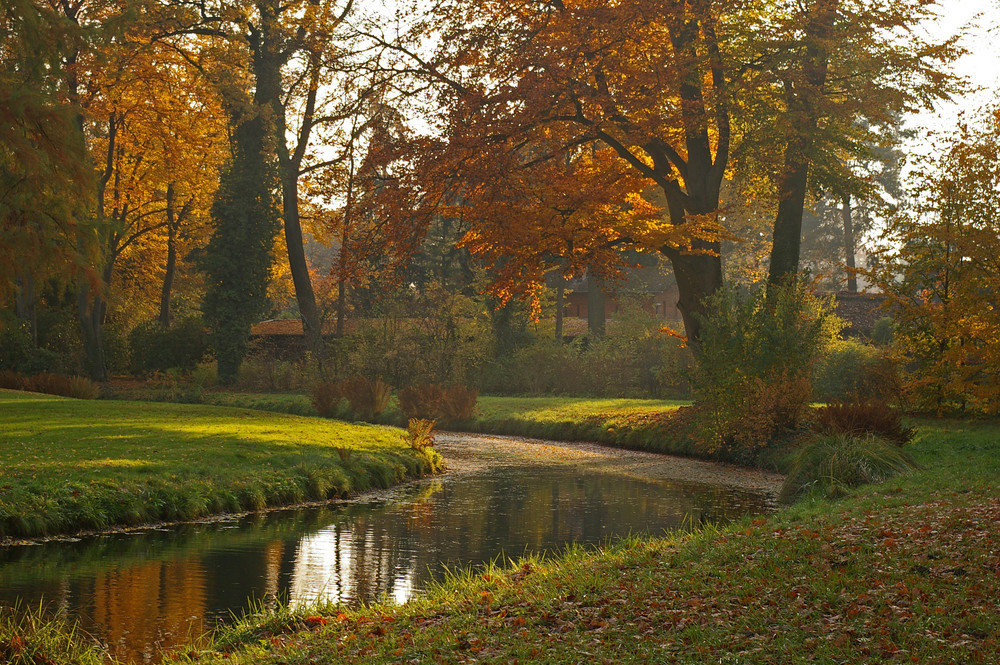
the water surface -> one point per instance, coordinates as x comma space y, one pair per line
149, 590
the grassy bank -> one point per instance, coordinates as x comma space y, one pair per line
642, 424
906, 571
69, 465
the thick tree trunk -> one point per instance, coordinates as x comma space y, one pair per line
787, 236
852, 276
171, 267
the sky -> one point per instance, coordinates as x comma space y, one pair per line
981, 66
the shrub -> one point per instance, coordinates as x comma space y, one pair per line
854, 371
860, 418
422, 400
77, 387
418, 433
157, 349
458, 403
326, 398
833, 464
11, 380
367, 398
753, 364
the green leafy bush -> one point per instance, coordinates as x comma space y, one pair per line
853, 371
883, 331
833, 464
753, 364
158, 349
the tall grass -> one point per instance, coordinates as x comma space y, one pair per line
834, 464
31, 636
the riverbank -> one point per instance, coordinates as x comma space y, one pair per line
906, 571
73, 465
635, 424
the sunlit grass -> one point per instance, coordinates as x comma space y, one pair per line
68, 464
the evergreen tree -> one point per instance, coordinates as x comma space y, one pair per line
238, 258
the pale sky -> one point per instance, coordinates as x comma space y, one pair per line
981, 66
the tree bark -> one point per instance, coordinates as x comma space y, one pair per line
852, 276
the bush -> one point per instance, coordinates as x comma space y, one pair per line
860, 418
367, 398
854, 371
418, 433
833, 464
326, 398
421, 401
19, 354
458, 403
753, 364
158, 349
77, 387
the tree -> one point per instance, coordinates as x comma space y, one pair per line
44, 181
939, 267
836, 75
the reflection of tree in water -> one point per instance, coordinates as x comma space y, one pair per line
368, 554
138, 591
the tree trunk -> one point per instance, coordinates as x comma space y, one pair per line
171, 267
852, 276
90, 307
595, 307
341, 306
804, 100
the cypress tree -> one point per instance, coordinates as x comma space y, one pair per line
238, 257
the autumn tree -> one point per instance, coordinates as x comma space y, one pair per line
939, 266
673, 88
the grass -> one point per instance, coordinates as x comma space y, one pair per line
628, 423
903, 571
33, 637
69, 465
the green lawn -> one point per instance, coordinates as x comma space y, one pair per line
68, 465
906, 571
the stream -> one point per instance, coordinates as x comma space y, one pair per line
150, 589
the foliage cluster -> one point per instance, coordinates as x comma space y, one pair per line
856, 371
835, 463
419, 433
368, 398
155, 348
938, 267
860, 418
754, 361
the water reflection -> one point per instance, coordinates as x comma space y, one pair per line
143, 592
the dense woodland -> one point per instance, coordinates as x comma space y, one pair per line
418, 184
